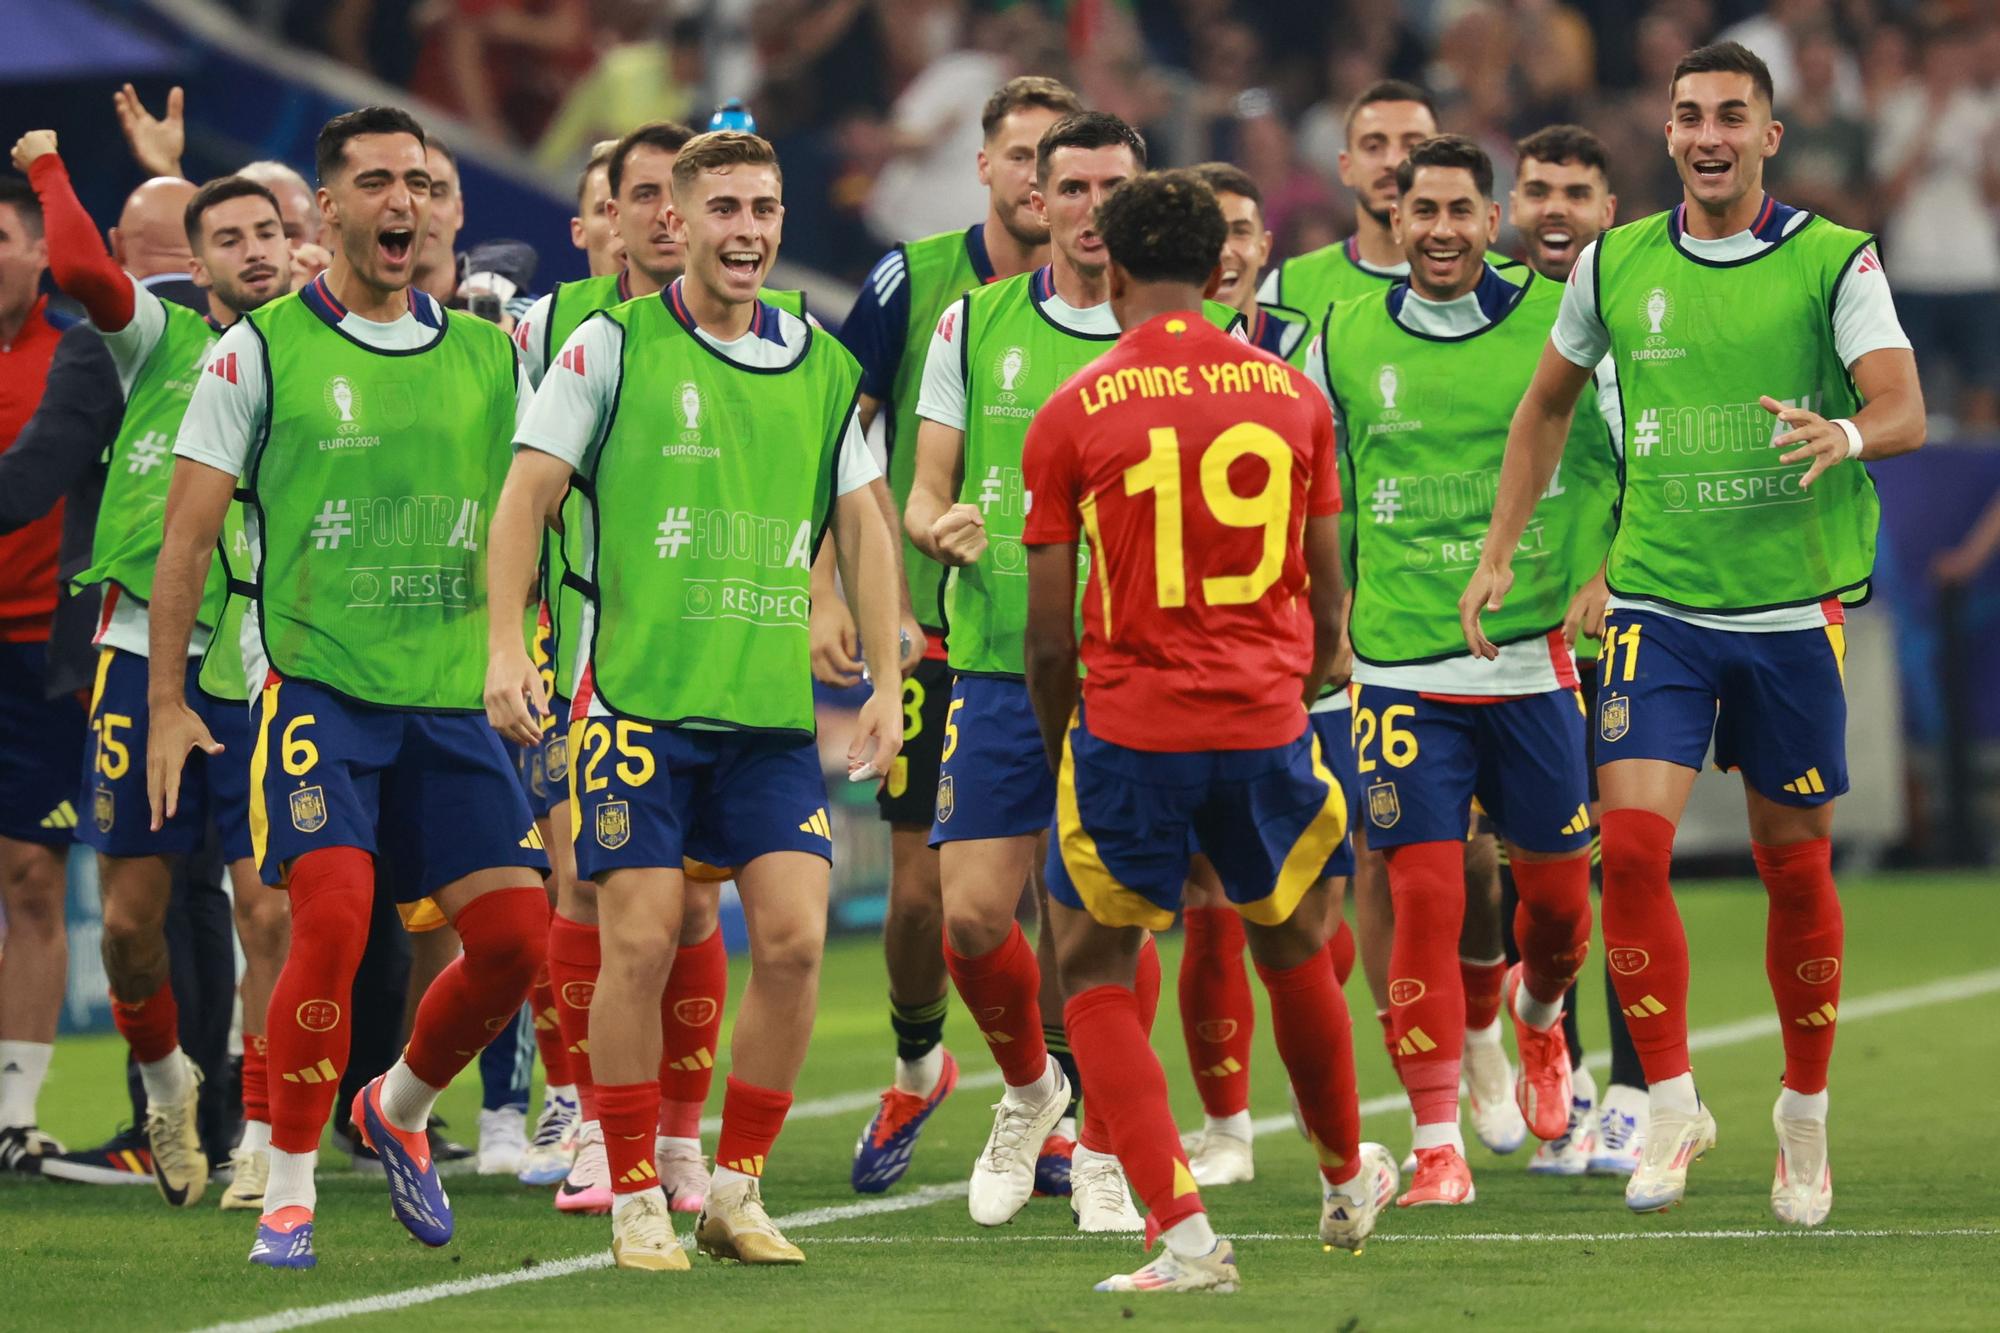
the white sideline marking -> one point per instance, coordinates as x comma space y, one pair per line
1942, 991
581, 1263
1507, 1237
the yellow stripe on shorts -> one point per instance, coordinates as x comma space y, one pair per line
1309, 854
1108, 902
260, 759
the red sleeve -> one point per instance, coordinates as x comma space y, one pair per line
1048, 470
77, 258
1323, 497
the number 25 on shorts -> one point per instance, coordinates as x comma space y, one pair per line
635, 764
1399, 745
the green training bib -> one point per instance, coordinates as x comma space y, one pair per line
373, 484
1712, 521
710, 489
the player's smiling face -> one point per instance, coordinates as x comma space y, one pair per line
1444, 225
1079, 180
242, 253
1720, 133
1007, 170
1245, 247
731, 220
640, 214
378, 207
1379, 137
1559, 207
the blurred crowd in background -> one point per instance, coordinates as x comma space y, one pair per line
1891, 107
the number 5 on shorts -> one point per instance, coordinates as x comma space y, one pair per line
951, 729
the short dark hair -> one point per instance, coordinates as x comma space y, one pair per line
21, 196
1164, 226
220, 191
445, 148
1447, 150
1387, 90
669, 136
1026, 91
1563, 143
330, 152
1228, 178
1725, 58
1087, 129
600, 159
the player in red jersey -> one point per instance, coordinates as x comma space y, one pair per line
1202, 471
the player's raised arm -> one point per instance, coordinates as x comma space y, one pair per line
1890, 422
1534, 447
948, 532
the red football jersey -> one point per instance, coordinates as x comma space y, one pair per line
1190, 461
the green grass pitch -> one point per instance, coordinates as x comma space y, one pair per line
1913, 1242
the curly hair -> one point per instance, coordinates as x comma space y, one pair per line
1164, 226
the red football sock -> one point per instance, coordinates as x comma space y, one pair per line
625, 1113
1426, 999
1315, 1039
1552, 923
151, 1027
256, 1077
999, 990
1340, 949
1482, 983
574, 957
1092, 1132
306, 1028
1218, 1016
751, 1120
690, 1028
548, 1031
1644, 940
506, 936
1804, 941
1388, 1023
1123, 1079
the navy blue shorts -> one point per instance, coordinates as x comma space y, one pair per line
1127, 819
117, 816
1774, 704
644, 796
1335, 729
435, 793
41, 751
1423, 761
994, 779
555, 755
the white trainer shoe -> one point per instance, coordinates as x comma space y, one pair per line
553, 1149
1099, 1197
1216, 1158
180, 1166
1621, 1131
1003, 1176
1569, 1154
683, 1175
1674, 1142
1214, 1271
1489, 1086
642, 1236
503, 1141
250, 1173
1802, 1187
1347, 1212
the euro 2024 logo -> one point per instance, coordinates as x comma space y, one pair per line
341, 400
690, 405
1388, 388
1008, 368
1658, 312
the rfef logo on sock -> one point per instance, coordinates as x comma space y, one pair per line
1818, 971
1406, 990
1626, 962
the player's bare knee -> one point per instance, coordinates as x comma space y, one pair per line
1288, 943
974, 934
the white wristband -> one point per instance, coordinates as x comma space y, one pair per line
1853, 434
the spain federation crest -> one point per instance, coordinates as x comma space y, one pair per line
104, 807
556, 756
309, 809
614, 825
1384, 809
1614, 717
946, 802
